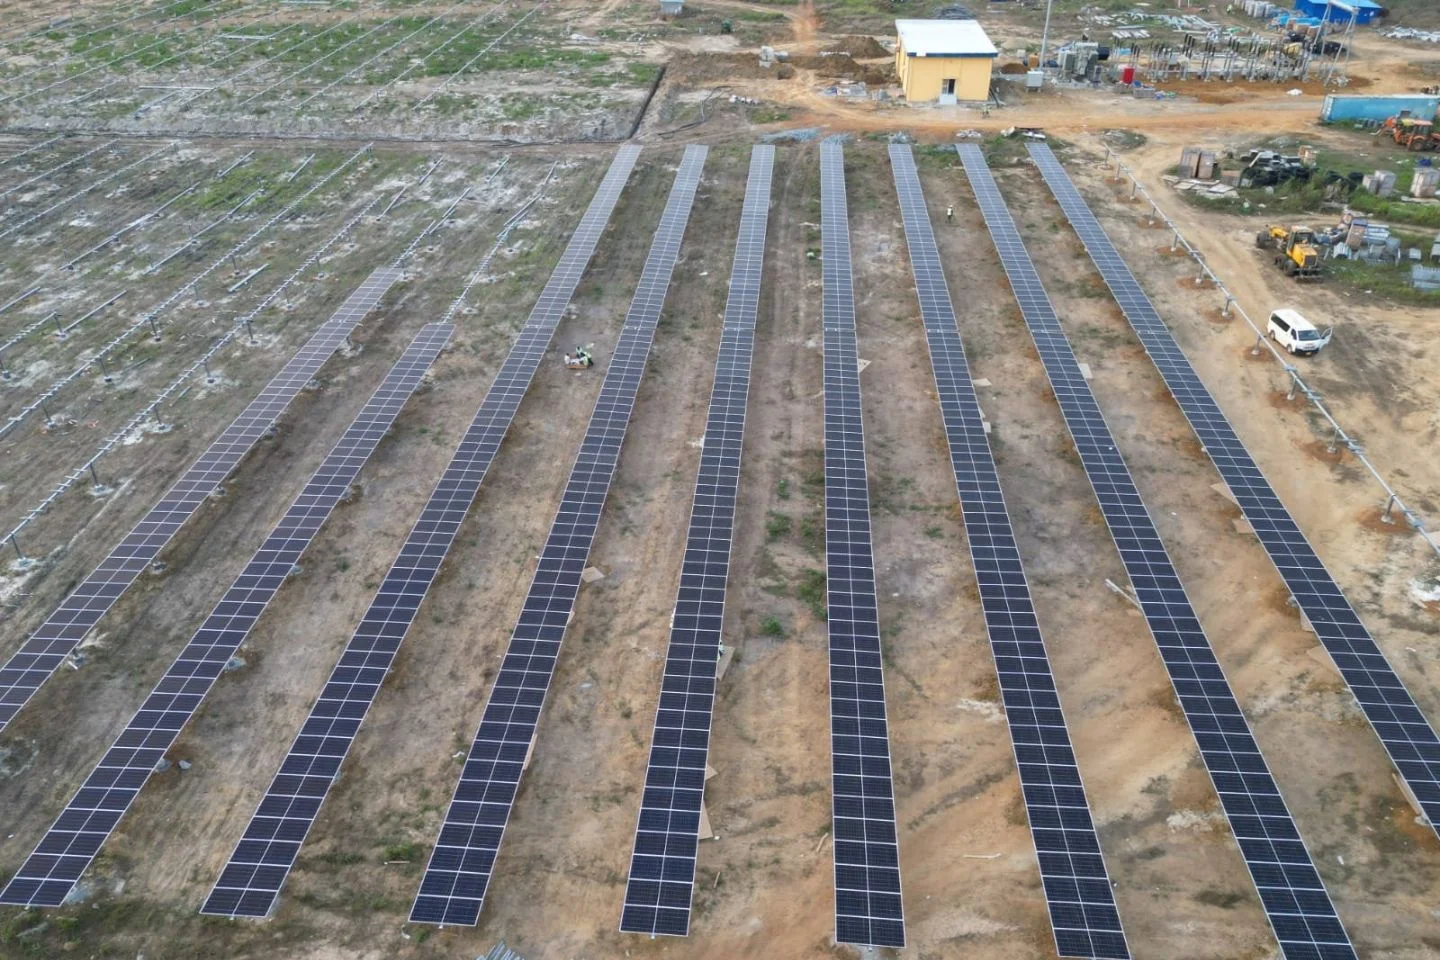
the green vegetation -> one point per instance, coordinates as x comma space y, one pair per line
772, 627
1384, 280
812, 592
778, 525
404, 851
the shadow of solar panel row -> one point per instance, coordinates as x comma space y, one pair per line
452, 891
58, 636
1291, 891
867, 855
251, 880
662, 867
1408, 737
73, 841
1072, 868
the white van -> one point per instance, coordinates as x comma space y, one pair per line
1295, 333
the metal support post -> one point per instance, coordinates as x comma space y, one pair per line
16, 544
104, 371
94, 477
209, 377
1386, 515
154, 330
250, 331
1334, 441
1225, 310
1255, 350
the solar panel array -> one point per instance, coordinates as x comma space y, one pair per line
867, 854
58, 636
453, 888
251, 880
1291, 891
72, 842
662, 868
1072, 868
1407, 735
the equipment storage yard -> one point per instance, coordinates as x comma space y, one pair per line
233, 233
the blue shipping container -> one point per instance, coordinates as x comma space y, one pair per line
1378, 108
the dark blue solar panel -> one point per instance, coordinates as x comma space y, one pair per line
463, 861
58, 636
1291, 891
73, 842
1072, 869
250, 882
1408, 737
868, 908
662, 867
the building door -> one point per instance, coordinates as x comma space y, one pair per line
947, 90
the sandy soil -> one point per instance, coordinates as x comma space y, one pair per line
764, 882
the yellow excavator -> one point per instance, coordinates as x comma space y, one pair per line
1296, 254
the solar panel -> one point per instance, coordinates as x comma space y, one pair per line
251, 880
662, 867
1291, 891
462, 863
1072, 869
72, 842
58, 636
867, 855
1408, 737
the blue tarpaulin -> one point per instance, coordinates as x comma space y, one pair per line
1365, 10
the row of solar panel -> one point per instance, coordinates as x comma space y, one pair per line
1077, 890
50, 873
660, 889
1291, 891
1407, 736
868, 906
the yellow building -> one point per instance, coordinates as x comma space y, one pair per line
944, 60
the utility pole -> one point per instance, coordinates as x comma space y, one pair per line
1045, 34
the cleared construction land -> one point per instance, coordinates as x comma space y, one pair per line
194, 193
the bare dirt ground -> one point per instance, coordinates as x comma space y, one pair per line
764, 883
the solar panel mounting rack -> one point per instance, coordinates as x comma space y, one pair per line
452, 891
1407, 736
1082, 908
661, 883
70, 845
250, 882
1291, 891
868, 908
41, 655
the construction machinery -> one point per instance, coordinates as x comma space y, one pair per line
581, 358
1296, 253
1411, 132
